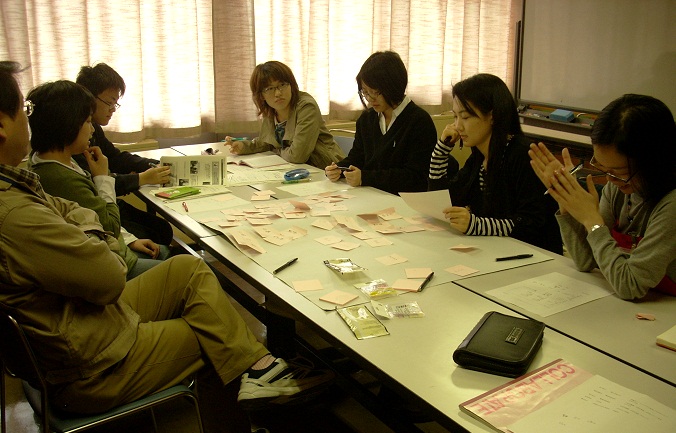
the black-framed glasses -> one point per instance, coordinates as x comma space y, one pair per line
110, 104
270, 91
593, 163
371, 96
28, 107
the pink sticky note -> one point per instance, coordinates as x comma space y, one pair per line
407, 285
338, 297
461, 270
328, 240
260, 197
392, 259
299, 205
463, 247
378, 242
418, 272
307, 285
345, 246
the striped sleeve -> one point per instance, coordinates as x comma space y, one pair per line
485, 226
439, 162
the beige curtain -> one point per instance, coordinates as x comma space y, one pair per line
187, 62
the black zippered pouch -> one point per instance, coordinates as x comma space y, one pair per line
500, 344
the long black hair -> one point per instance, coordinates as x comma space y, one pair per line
489, 95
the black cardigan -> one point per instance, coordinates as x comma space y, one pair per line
517, 194
398, 161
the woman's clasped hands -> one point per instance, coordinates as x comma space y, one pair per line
582, 204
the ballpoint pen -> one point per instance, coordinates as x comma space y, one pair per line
518, 256
572, 171
285, 265
427, 280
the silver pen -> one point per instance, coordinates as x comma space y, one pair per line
572, 171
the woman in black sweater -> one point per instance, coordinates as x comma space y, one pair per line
394, 137
496, 192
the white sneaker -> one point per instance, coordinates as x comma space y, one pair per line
281, 384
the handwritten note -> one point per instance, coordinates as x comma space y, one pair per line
549, 294
600, 405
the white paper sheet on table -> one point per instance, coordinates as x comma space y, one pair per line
599, 405
549, 294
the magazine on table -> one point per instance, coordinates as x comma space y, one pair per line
196, 170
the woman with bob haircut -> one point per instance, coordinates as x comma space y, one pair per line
61, 125
495, 193
394, 137
292, 123
630, 233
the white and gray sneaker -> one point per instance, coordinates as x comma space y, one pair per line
282, 382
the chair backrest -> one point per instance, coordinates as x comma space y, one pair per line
345, 143
343, 139
18, 360
16, 354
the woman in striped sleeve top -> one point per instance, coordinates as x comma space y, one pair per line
496, 192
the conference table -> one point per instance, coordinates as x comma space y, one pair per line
415, 359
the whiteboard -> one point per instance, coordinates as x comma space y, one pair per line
582, 54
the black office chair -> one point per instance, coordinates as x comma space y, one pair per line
18, 360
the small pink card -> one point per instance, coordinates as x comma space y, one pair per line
392, 259
461, 270
345, 246
307, 285
260, 197
338, 297
378, 242
407, 285
463, 247
328, 240
324, 224
418, 272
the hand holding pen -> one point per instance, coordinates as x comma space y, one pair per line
545, 164
234, 143
571, 172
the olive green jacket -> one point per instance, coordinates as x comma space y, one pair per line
61, 281
306, 139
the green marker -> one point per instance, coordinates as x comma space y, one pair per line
307, 179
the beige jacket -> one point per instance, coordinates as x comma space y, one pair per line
61, 281
306, 139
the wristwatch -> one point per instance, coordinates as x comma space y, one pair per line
595, 226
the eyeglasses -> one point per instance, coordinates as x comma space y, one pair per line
369, 95
28, 107
270, 91
110, 104
593, 163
